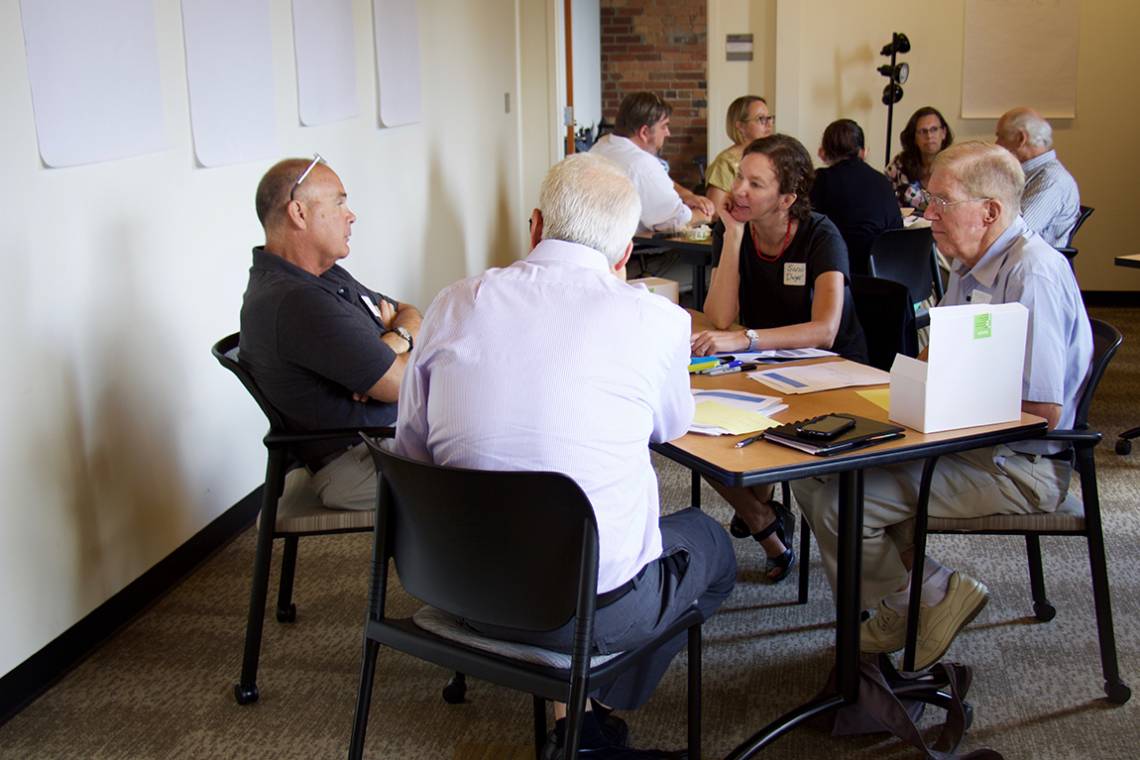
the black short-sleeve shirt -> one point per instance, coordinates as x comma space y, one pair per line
310, 343
862, 204
779, 293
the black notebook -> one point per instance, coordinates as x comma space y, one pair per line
866, 432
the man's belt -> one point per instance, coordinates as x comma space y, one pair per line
609, 597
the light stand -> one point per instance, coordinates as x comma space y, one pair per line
897, 74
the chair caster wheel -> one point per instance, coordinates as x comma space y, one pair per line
1123, 446
1118, 693
1044, 611
287, 614
456, 690
247, 695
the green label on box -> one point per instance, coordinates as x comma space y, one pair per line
983, 326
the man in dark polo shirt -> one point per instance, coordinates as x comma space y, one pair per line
325, 350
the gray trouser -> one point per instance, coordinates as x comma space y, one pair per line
697, 566
988, 481
349, 481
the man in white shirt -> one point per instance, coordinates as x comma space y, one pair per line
1051, 202
555, 363
639, 134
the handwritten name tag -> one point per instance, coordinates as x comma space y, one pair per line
795, 274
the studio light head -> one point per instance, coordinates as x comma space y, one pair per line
898, 44
892, 93
898, 73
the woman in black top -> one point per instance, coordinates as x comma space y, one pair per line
780, 270
858, 199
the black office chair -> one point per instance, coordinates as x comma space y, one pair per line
1069, 520
285, 513
886, 313
473, 544
1068, 251
907, 256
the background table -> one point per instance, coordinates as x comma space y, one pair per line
696, 253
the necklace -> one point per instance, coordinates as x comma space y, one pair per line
783, 246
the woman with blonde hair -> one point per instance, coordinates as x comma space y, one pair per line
748, 119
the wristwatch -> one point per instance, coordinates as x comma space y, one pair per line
753, 339
405, 334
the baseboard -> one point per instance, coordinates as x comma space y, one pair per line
1111, 298
42, 670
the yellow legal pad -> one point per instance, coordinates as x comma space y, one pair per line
736, 421
880, 397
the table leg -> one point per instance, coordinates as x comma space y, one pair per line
699, 290
847, 608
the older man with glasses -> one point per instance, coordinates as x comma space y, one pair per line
326, 351
973, 198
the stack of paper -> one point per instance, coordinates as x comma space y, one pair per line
820, 377
723, 412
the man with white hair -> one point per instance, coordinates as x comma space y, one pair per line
554, 363
973, 196
1051, 201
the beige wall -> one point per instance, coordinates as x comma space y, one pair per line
121, 437
729, 80
826, 53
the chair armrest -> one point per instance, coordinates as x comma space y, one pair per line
288, 439
1082, 438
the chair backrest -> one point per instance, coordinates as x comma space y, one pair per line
516, 549
1086, 212
905, 256
226, 352
1106, 339
886, 313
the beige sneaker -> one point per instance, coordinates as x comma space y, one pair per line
938, 625
885, 632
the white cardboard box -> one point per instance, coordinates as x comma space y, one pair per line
972, 375
662, 287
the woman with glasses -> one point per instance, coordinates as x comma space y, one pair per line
748, 119
781, 271
925, 135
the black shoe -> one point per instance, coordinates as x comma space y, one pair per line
596, 741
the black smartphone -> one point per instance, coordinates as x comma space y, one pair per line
826, 427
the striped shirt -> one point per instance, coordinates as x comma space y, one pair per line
1050, 203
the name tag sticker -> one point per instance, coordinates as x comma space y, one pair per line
371, 306
983, 326
795, 274
980, 296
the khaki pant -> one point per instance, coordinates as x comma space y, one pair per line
988, 481
349, 481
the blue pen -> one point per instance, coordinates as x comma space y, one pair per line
723, 368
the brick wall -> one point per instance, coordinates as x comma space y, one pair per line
661, 46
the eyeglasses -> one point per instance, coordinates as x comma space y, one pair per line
317, 159
940, 203
928, 131
765, 120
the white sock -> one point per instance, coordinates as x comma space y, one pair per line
936, 579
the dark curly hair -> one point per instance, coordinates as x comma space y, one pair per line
910, 159
794, 170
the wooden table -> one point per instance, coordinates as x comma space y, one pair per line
764, 462
1132, 260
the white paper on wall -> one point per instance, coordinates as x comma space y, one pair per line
229, 72
1020, 53
397, 32
326, 61
94, 77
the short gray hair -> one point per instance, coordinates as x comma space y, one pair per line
1037, 130
589, 200
985, 171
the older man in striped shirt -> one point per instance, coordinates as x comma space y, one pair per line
1050, 203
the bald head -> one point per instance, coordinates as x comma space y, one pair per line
1024, 133
273, 190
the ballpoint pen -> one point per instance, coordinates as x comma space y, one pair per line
727, 369
748, 440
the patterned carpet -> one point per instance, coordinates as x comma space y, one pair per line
161, 687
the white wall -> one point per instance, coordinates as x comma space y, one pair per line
827, 53
121, 436
728, 80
